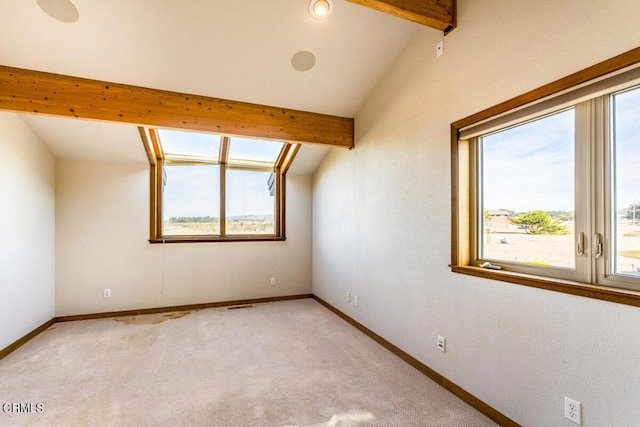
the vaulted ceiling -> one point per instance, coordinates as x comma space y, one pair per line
237, 50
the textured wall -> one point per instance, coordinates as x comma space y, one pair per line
26, 229
102, 232
382, 220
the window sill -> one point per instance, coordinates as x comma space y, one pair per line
206, 239
617, 295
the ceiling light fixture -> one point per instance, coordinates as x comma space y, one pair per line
60, 10
320, 8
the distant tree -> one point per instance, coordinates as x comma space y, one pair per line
561, 215
539, 222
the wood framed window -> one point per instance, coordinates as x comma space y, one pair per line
207, 187
545, 186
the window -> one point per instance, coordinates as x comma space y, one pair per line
528, 172
207, 187
546, 193
625, 183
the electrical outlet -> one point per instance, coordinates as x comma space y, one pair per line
107, 293
348, 296
355, 300
573, 410
442, 343
273, 281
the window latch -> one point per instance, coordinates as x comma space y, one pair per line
580, 244
489, 266
597, 245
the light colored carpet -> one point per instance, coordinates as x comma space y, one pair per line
291, 363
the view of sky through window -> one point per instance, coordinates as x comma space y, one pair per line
250, 201
531, 166
527, 183
192, 180
191, 192
189, 143
626, 194
626, 134
253, 149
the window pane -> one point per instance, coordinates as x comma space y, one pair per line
626, 193
527, 193
180, 143
191, 200
250, 205
254, 149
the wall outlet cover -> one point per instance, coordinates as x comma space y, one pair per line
573, 410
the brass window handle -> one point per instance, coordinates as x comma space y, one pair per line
597, 245
580, 244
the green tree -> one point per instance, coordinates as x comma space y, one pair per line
539, 222
561, 215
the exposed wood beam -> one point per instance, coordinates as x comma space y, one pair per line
28, 91
438, 14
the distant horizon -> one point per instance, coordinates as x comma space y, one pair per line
228, 217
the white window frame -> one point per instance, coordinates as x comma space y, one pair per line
590, 92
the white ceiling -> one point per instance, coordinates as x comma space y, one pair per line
69, 138
233, 49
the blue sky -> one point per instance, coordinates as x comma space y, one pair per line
532, 166
627, 147
191, 191
194, 190
244, 148
248, 193
192, 143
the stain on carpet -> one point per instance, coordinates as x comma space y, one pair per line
151, 319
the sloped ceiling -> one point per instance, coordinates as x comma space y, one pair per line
237, 50
87, 139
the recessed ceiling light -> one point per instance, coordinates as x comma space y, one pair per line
61, 10
303, 60
320, 8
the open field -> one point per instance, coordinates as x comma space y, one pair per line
233, 226
190, 228
558, 251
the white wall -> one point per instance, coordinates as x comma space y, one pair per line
26, 229
382, 220
102, 232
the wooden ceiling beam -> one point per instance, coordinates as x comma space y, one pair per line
36, 92
438, 14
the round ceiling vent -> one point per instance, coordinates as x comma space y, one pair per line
303, 60
61, 10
